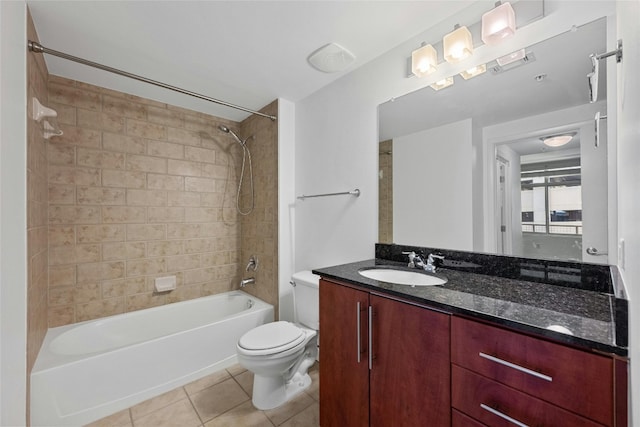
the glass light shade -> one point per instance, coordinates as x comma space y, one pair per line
557, 141
441, 84
475, 71
498, 24
424, 60
512, 57
458, 45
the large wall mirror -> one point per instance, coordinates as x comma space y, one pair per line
467, 167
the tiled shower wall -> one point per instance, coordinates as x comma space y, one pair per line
260, 228
385, 192
136, 191
36, 206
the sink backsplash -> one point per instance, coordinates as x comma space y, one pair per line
591, 277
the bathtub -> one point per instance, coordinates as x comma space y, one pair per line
86, 371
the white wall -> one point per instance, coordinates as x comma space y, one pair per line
13, 213
336, 144
336, 134
286, 199
426, 166
629, 180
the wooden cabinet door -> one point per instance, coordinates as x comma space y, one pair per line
344, 366
410, 376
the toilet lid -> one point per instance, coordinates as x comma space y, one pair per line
272, 337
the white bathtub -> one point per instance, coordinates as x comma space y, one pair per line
89, 370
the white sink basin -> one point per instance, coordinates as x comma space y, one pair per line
402, 277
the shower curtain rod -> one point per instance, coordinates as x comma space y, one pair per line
38, 48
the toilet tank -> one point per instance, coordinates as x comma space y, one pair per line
306, 298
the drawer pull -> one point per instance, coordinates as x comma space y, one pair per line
370, 337
503, 416
517, 367
358, 329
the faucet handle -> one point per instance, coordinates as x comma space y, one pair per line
412, 256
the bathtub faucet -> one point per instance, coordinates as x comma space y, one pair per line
245, 282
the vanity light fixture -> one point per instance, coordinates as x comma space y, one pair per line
498, 24
475, 71
441, 84
512, 57
557, 140
458, 44
424, 60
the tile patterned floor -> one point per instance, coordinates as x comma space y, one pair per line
222, 399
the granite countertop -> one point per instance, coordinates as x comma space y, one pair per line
528, 306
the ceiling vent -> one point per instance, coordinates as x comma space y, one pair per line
331, 58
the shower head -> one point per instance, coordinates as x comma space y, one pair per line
227, 130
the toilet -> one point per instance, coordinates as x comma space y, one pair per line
280, 353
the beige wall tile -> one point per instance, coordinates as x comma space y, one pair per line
203, 185
66, 114
122, 250
146, 267
100, 233
146, 164
119, 187
183, 136
97, 309
99, 159
99, 120
122, 107
165, 117
78, 136
145, 129
100, 196
95, 272
184, 167
74, 215
146, 232
123, 214
165, 182
146, 197
165, 149
183, 198
129, 179
200, 154
168, 247
73, 175
61, 154
165, 215
123, 143
63, 275
182, 262
62, 194
71, 96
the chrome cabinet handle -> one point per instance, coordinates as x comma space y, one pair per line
370, 337
503, 416
358, 328
517, 367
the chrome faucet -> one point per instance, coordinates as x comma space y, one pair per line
417, 261
245, 282
430, 267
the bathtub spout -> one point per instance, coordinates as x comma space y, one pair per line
245, 282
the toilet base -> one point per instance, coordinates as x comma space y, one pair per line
271, 392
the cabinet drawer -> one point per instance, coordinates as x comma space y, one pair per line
458, 419
579, 381
495, 404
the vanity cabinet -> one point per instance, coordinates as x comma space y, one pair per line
382, 362
501, 377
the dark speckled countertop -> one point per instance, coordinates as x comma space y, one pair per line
525, 305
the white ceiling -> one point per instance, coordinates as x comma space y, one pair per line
243, 52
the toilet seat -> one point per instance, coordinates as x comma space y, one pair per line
271, 338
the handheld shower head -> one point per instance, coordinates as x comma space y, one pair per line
233, 134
